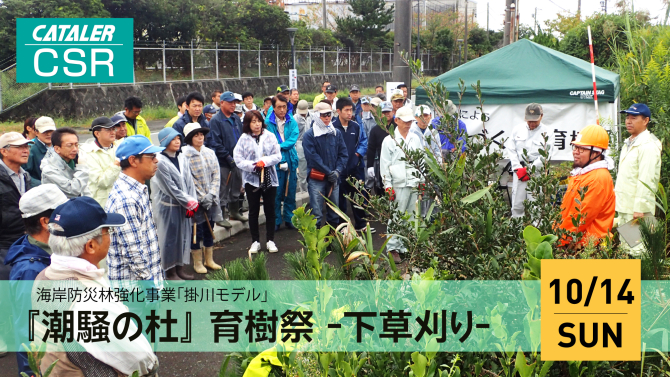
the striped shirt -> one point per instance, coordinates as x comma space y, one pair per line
133, 252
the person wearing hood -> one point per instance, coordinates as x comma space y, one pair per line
400, 181
44, 128
326, 155
176, 203
28, 256
225, 131
286, 130
207, 180
98, 156
194, 113
357, 145
639, 168
590, 169
257, 153
60, 165
529, 136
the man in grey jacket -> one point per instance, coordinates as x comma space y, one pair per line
60, 167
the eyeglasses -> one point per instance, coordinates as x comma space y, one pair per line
326, 115
580, 149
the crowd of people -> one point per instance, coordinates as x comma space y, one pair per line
120, 208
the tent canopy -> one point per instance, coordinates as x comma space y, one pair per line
525, 72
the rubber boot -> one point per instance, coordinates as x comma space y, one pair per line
224, 223
197, 261
209, 260
235, 212
171, 274
181, 272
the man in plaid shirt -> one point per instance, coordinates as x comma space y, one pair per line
133, 252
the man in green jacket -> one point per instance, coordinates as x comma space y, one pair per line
44, 127
639, 164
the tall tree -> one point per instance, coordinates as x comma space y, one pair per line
367, 26
10, 10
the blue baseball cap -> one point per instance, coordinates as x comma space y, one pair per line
228, 96
166, 135
82, 215
134, 145
386, 106
638, 109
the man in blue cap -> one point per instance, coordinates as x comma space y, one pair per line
226, 129
80, 239
639, 165
134, 253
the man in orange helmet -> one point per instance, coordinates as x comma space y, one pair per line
590, 169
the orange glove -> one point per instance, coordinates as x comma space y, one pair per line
260, 164
391, 193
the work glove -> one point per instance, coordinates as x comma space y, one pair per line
259, 165
191, 212
422, 188
334, 176
231, 162
391, 193
522, 173
284, 166
207, 201
192, 205
371, 172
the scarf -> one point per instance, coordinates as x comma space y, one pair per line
321, 128
602, 164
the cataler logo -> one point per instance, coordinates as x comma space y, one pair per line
77, 50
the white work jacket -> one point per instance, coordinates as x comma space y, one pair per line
638, 162
394, 170
530, 140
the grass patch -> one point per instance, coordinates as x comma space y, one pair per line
82, 125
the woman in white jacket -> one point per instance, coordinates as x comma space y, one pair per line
256, 154
400, 181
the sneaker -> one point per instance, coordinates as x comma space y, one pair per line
272, 248
255, 247
362, 230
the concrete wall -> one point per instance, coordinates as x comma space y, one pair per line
105, 101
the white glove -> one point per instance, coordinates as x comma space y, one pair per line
371, 172
284, 166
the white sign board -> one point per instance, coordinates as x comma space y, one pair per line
389, 88
565, 119
293, 78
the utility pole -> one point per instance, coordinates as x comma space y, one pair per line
418, 29
508, 22
579, 9
325, 15
402, 40
465, 41
487, 22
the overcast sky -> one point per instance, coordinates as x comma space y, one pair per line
547, 9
